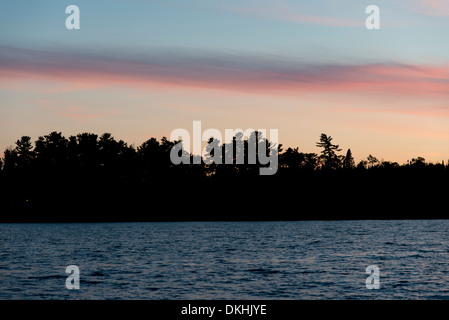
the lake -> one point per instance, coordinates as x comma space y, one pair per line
226, 260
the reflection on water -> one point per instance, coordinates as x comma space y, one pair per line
226, 260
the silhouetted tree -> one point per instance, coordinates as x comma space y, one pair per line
292, 158
348, 162
155, 155
418, 162
244, 155
389, 165
311, 161
328, 155
10, 160
88, 151
24, 151
372, 161
51, 150
108, 149
362, 165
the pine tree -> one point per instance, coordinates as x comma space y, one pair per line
328, 155
348, 162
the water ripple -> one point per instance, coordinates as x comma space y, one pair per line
226, 260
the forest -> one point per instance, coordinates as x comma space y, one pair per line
88, 177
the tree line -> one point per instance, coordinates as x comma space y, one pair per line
90, 152
98, 177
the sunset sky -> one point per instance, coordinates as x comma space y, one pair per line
142, 68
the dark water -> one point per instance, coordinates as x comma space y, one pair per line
226, 260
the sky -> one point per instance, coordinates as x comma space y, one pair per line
142, 68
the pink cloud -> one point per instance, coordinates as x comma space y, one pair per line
235, 73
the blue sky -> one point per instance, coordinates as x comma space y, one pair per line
269, 26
